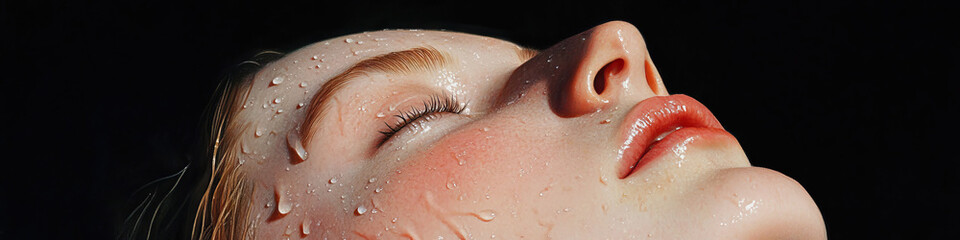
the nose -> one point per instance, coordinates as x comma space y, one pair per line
595, 69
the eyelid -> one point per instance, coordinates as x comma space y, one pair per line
438, 103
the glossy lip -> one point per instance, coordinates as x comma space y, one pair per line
656, 116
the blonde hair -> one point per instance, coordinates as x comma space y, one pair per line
221, 193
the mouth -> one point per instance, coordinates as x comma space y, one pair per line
658, 122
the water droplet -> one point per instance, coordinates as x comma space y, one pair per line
361, 210
380, 115
283, 204
305, 227
333, 180
460, 157
348, 40
299, 105
304, 84
279, 111
485, 129
293, 141
378, 190
259, 132
244, 148
605, 121
451, 184
276, 100
315, 57
486, 215
276, 81
372, 180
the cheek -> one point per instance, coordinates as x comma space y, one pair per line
466, 166
467, 178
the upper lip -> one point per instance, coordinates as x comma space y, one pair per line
655, 116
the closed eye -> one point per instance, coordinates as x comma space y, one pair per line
436, 105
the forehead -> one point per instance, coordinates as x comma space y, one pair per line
280, 92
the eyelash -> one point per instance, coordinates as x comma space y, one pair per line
436, 104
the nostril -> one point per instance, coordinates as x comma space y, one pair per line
605, 73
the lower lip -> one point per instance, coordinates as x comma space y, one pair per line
676, 141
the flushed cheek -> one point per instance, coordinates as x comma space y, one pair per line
468, 180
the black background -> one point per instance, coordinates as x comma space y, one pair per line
852, 99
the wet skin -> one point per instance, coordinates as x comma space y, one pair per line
536, 151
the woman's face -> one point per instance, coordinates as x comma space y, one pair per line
452, 136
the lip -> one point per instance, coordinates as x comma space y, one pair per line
656, 116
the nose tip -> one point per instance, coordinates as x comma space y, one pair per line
604, 65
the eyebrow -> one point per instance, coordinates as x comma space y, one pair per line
408, 61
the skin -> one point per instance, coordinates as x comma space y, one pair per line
532, 155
